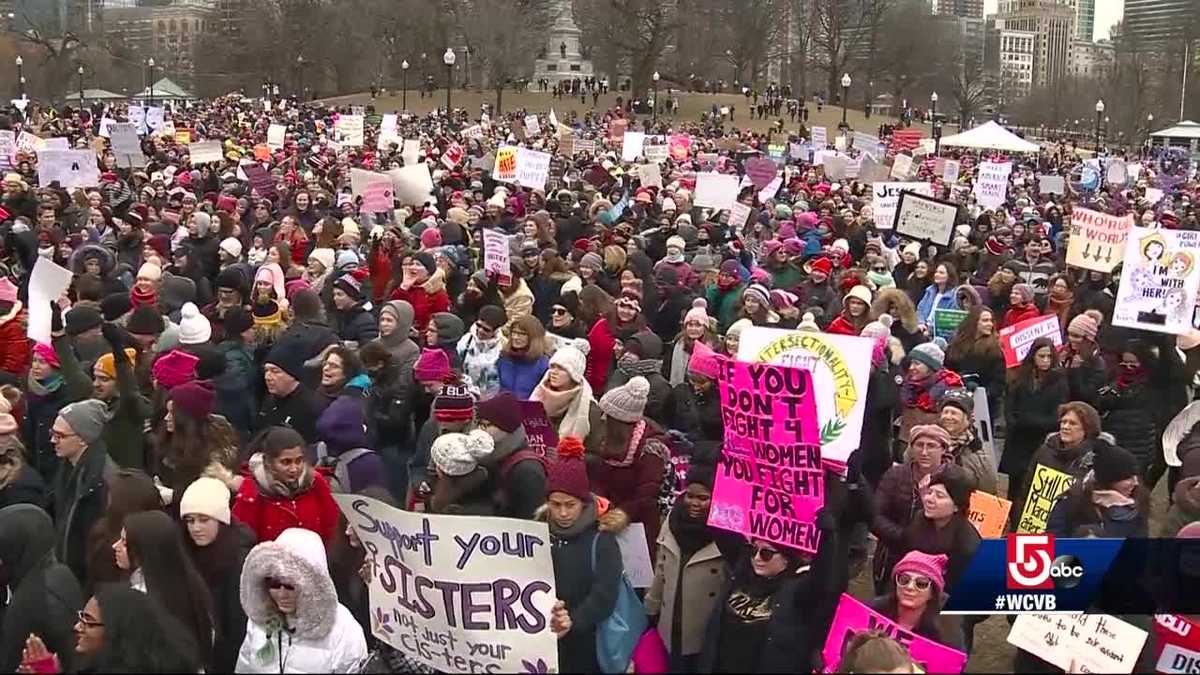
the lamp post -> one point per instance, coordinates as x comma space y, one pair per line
655, 77
80, 71
845, 94
1149, 128
150, 63
1099, 112
404, 84
300, 75
937, 128
448, 59
20, 78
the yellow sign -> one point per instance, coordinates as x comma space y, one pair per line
1046, 486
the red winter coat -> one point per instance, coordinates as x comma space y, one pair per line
841, 326
634, 489
380, 263
602, 344
424, 303
1018, 313
15, 348
269, 516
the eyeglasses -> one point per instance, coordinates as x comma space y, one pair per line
765, 554
560, 311
88, 621
904, 580
483, 327
59, 435
276, 584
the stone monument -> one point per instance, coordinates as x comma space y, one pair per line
561, 59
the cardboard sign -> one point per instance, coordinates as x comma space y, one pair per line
925, 218
1051, 185
71, 168
635, 554
566, 146
680, 146
947, 321
532, 126
494, 580
716, 190
991, 184
841, 370
770, 483
1015, 340
820, 138
901, 167
761, 171
1045, 486
496, 254
1159, 280
989, 514
206, 152
505, 169
631, 145
885, 197
1097, 239
533, 168
853, 617
1080, 643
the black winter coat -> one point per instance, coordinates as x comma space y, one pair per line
355, 325
698, 416
27, 488
78, 497
298, 410
1129, 415
1030, 414
1086, 380
876, 443
989, 371
223, 575
590, 592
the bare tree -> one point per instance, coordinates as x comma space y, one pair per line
637, 32
499, 35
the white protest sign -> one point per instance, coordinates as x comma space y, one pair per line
1154, 195
532, 126
1097, 239
47, 282
1116, 173
650, 174
533, 168
925, 218
275, 136
8, 143
137, 117
950, 171
1080, 643
819, 138
350, 130
106, 126
770, 190
205, 152
412, 185
27, 142
458, 594
631, 147
1049, 184
496, 254
739, 213
836, 166
635, 553
71, 168
839, 143
716, 190
154, 118
655, 152
1159, 280
901, 167
553, 119
864, 142
473, 131
991, 185
886, 197
56, 143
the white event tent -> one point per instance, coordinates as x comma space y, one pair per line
990, 136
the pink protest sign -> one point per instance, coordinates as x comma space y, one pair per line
853, 617
770, 483
377, 197
679, 146
539, 433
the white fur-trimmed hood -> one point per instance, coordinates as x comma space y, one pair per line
298, 557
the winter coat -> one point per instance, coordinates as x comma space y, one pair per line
988, 368
601, 340
43, 594
958, 540
979, 465
883, 395
931, 300
656, 400
78, 497
816, 295
1029, 415
519, 376
1115, 522
724, 305
27, 487
634, 488
426, 301
698, 416
691, 586
342, 427
389, 408
355, 325
896, 504
1086, 380
479, 359
1018, 313
298, 410
235, 386
1185, 509
1129, 415
518, 476
42, 410
1037, 274
18, 350
224, 580
1052, 454
267, 508
519, 303
322, 636
123, 433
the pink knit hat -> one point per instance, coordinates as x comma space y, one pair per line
46, 353
432, 366
931, 566
273, 273
1086, 325
174, 368
698, 312
704, 361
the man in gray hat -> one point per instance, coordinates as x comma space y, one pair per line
79, 494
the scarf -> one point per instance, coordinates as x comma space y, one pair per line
691, 535
270, 486
632, 366
881, 279
1131, 377
141, 298
681, 355
46, 387
962, 441
1110, 498
631, 451
573, 406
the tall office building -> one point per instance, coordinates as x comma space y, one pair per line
1053, 24
1158, 20
964, 9
1085, 19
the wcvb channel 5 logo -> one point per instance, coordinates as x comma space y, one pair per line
1032, 565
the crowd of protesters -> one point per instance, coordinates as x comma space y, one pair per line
228, 358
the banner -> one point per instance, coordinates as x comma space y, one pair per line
947, 321
71, 168
989, 514
496, 254
1159, 280
853, 617
1080, 643
533, 168
925, 218
991, 184
841, 369
458, 594
770, 483
1097, 239
1045, 486
505, 170
206, 152
680, 146
631, 146
886, 197
716, 190
1016, 339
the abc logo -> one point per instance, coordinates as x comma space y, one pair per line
1032, 564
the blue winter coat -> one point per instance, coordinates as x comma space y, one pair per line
925, 307
519, 376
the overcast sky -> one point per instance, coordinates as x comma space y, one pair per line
1108, 12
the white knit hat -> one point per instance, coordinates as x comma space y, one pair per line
194, 328
860, 292
325, 256
626, 403
572, 357
207, 497
232, 246
458, 454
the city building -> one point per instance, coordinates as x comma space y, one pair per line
1009, 59
1053, 24
1085, 19
966, 9
1157, 20
166, 33
1092, 60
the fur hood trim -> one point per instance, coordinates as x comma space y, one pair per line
610, 519
297, 557
897, 303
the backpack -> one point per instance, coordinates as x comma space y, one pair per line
617, 636
339, 481
500, 492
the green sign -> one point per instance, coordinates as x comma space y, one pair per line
946, 322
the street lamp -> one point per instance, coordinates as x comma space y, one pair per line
300, 75
1099, 112
20, 78
845, 94
404, 83
150, 63
80, 71
448, 59
655, 78
1149, 127
937, 128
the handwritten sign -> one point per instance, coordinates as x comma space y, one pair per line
505, 170
350, 130
769, 483
1097, 239
1159, 280
452, 155
631, 145
70, 168
655, 152
205, 152
533, 168
988, 513
853, 617
378, 196
991, 185
820, 138
1080, 643
925, 218
617, 129
275, 136
901, 167
1015, 340
1045, 486
496, 254
885, 197
458, 594
1049, 184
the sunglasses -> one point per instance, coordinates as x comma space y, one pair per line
276, 584
483, 327
904, 580
879, 270
765, 554
559, 311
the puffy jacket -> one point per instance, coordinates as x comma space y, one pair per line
520, 376
479, 359
16, 355
261, 503
425, 302
355, 325
1129, 415
697, 416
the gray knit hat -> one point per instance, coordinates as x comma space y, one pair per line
1025, 291
86, 418
930, 353
626, 403
592, 260
458, 454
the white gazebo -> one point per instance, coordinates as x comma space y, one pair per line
1186, 134
165, 90
990, 136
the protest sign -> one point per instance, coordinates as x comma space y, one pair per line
154, 118
275, 136
532, 126
412, 185
841, 369
1159, 280
839, 143
991, 184
771, 190
901, 167
106, 126
716, 190
650, 175
946, 322
770, 483
988, 513
820, 138
350, 130
206, 152
410, 151
389, 123
1154, 195
864, 142
137, 117
983, 425
871, 171
739, 213
566, 146
1045, 486
836, 167
680, 146
617, 129
585, 146
183, 136
260, 181
473, 131
496, 254
494, 583
56, 143
123, 137
1177, 640
1051, 185
798, 151
635, 554
1080, 643
925, 218
631, 145
886, 197
541, 436
950, 171
452, 155
761, 171
378, 195
29, 143
505, 169
707, 160
853, 617
71, 168
1116, 173
655, 152
47, 282
533, 168
1097, 239
777, 152
1015, 340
